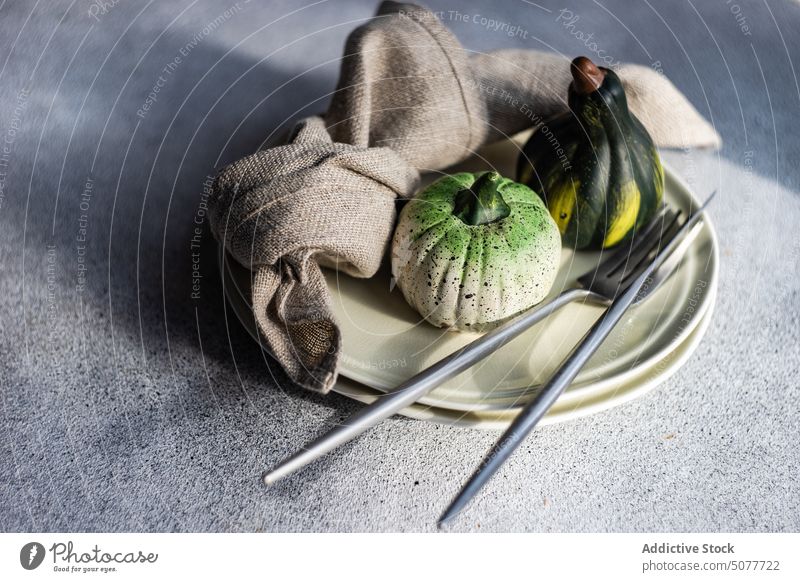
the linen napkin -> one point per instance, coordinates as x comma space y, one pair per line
409, 99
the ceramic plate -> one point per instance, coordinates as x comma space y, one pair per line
563, 410
385, 341
566, 408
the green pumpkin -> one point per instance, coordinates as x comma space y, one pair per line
595, 166
474, 249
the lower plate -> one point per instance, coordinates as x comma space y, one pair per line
562, 411
572, 404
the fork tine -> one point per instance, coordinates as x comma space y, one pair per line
640, 262
670, 229
646, 241
620, 255
646, 244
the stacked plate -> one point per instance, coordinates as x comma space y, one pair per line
385, 342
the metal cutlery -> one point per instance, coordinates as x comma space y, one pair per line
614, 275
531, 414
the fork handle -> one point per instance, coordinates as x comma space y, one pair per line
419, 385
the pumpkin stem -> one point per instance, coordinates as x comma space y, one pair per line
586, 76
481, 203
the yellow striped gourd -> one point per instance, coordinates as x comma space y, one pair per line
595, 166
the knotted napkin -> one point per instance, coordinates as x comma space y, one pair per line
409, 99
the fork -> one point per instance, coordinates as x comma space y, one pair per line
533, 412
600, 286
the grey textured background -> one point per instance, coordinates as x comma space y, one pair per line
129, 406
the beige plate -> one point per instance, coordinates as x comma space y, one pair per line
385, 341
563, 410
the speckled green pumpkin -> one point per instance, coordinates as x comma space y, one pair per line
473, 249
595, 167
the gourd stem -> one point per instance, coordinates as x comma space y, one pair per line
482, 203
586, 76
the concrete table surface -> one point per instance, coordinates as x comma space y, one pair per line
128, 404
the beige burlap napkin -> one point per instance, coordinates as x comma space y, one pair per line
409, 99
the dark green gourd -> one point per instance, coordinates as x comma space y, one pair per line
595, 166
